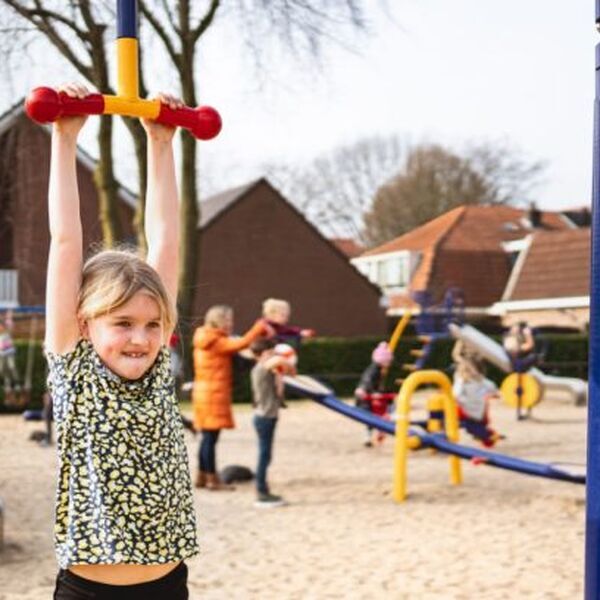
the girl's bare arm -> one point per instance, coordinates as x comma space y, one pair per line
162, 203
65, 255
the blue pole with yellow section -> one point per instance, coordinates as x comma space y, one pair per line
45, 105
127, 49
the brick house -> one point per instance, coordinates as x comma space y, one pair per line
549, 284
253, 243
24, 234
470, 247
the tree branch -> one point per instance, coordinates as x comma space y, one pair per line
44, 25
206, 20
160, 30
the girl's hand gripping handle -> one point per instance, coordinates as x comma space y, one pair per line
203, 122
45, 105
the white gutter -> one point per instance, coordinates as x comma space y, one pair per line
398, 312
517, 267
541, 304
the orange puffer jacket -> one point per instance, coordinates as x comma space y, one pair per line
211, 396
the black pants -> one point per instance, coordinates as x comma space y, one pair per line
172, 586
207, 455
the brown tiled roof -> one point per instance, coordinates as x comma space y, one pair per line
347, 246
463, 248
557, 265
424, 236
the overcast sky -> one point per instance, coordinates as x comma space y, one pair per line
450, 71
442, 71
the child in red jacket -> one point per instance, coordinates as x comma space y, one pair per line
368, 394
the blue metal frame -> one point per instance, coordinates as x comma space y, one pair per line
592, 526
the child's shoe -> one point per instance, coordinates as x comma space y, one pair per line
269, 501
214, 484
200, 479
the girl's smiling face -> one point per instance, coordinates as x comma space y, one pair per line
128, 338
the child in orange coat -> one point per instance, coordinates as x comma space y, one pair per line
214, 348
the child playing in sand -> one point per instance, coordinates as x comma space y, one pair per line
8, 368
369, 395
277, 313
124, 518
519, 345
473, 393
267, 402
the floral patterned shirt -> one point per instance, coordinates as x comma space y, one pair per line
124, 491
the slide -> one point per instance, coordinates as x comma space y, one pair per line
494, 353
315, 390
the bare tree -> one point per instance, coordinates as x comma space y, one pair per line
77, 31
336, 189
78, 34
435, 179
298, 25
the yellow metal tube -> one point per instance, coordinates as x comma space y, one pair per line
131, 107
453, 434
409, 386
127, 68
399, 330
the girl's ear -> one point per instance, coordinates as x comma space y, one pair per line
84, 328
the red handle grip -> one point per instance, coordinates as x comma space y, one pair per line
203, 122
45, 105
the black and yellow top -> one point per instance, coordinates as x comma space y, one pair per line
124, 491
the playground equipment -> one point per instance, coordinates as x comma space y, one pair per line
534, 384
592, 530
45, 105
432, 323
402, 447
413, 438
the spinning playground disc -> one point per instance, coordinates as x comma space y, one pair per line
530, 390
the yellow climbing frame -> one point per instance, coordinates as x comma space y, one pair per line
402, 443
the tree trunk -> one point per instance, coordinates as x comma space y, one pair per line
138, 136
189, 214
107, 186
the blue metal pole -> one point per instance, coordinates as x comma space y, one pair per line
126, 18
592, 526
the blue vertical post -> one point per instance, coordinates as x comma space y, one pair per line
127, 18
592, 525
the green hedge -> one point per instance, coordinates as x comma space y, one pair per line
339, 362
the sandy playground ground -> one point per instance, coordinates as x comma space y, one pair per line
499, 535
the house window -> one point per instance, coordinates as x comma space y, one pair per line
9, 287
393, 271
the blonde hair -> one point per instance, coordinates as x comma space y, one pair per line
217, 315
111, 278
273, 306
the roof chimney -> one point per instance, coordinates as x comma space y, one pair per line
534, 216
